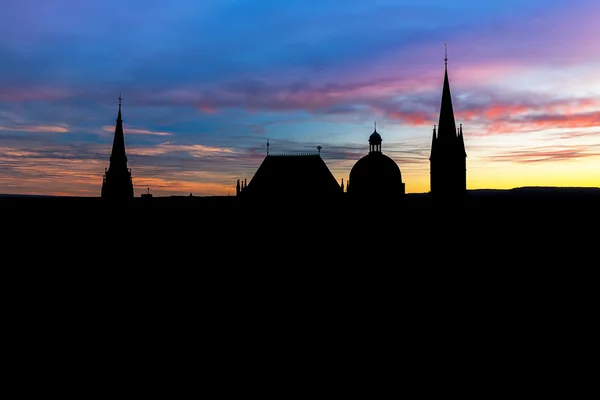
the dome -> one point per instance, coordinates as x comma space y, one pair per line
376, 175
375, 138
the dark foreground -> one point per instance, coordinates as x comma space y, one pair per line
170, 282
542, 220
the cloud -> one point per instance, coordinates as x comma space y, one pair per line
205, 83
132, 131
546, 154
40, 128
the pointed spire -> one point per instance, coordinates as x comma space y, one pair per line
117, 154
374, 126
446, 125
433, 140
117, 183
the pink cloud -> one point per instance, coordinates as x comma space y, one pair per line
38, 93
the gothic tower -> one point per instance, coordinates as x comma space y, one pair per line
448, 159
117, 183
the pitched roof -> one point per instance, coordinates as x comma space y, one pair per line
289, 175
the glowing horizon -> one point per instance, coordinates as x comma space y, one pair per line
201, 99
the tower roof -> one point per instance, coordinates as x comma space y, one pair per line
446, 124
117, 154
375, 138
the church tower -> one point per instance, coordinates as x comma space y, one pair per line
448, 158
117, 183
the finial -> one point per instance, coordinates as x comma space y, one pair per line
375, 126
120, 99
445, 54
319, 149
267, 146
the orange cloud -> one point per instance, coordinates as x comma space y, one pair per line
195, 150
35, 128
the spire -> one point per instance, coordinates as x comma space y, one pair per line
117, 183
117, 154
433, 140
446, 125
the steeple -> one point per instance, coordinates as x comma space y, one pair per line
446, 124
117, 182
448, 157
118, 155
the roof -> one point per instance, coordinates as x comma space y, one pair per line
375, 174
375, 138
289, 175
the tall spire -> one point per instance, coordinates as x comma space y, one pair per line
448, 169
446, 125
118, 155
117, 183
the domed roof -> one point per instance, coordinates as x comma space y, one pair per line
376, 174
375, 138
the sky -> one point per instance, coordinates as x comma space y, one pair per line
206, 83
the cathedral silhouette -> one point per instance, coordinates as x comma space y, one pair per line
306, 176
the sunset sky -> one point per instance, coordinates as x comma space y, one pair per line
206, 83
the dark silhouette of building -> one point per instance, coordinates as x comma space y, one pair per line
148, 195
240, 186
291, 176
117, 183
375, 175
448, 159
